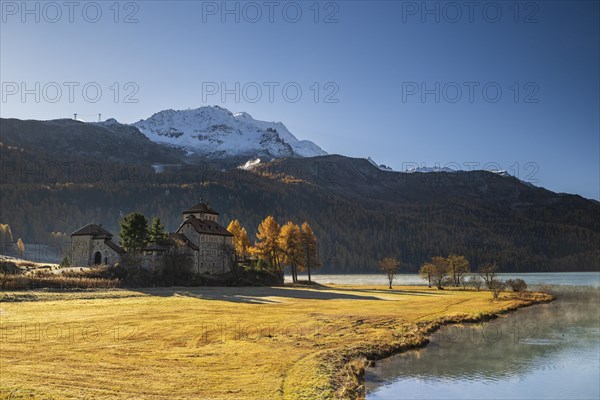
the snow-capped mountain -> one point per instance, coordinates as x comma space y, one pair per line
424, 169
217, 132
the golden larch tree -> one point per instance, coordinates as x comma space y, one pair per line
290, 245
241, 243
267, 246
310, 251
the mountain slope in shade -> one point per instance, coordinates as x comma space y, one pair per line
216, 132
65, 139
359, 212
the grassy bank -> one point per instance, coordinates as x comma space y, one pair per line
217, 343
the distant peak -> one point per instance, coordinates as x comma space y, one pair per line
216, 132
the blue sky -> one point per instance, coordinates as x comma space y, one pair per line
371, 62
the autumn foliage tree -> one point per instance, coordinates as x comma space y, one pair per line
458, 266
267, 247
309, 249
290, 244
389, 266
426, 271
241, 243
440, 271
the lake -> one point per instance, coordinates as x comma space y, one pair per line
546, 351
549, 278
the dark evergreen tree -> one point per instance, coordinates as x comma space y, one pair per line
134, 232
156, 233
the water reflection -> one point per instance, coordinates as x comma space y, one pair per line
548, 351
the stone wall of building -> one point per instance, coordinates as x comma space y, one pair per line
193, 236
153, 260
80, 251
108, 255
213, 255
84, 249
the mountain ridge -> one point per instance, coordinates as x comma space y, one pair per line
359, 211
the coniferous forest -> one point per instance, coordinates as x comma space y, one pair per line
359, 213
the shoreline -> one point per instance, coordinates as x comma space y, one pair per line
350, 375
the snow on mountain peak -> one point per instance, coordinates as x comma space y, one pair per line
242, 115
215, 131
424, 169
437, 168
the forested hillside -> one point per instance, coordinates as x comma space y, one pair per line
359, 212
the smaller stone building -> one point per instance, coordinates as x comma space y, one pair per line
93, 245
154, 253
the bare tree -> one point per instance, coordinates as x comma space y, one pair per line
517, 285
476, 282
440, 271
389, 266
497, 287
458, 266
488, 273
426, 271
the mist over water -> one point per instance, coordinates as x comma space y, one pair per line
549, 351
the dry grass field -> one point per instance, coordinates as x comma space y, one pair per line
215, 343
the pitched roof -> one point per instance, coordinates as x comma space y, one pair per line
201, 208
114, 246
206, 227
181, 237
92, 230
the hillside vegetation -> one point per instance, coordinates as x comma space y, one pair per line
359, 212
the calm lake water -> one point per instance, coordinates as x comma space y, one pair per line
547, 351
550, 278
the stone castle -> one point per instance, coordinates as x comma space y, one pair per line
208, 243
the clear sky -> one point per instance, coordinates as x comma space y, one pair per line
509, 85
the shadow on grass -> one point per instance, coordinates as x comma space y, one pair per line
399, 291
260, 295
